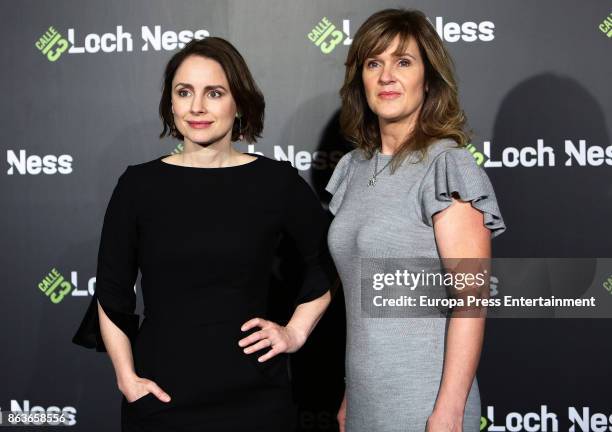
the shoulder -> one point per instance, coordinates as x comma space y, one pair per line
272, 163
446, 161
446, 151
443, 146
278, 169
340, 177
277, 176
143, 167
451, 166
344, 164
135, 175
352, 156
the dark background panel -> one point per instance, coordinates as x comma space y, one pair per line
533, 71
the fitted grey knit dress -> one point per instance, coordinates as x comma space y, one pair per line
394, 365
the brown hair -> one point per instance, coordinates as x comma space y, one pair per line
249, 100
440, 116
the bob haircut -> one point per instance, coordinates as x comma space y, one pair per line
440, 116
249, 100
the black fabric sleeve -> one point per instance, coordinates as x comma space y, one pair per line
116, 271
307, 223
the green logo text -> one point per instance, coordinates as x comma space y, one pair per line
484, 423
325, 36
55, 286
606, 26
478, 156
52, 44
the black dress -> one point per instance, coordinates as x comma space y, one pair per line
204, 240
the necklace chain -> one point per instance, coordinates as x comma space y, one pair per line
372, 181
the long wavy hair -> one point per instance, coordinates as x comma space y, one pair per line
440, 115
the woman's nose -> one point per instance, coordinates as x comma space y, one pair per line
197, 106
386, 75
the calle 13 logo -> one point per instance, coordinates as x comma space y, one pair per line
52, 44
55, 286
326, 36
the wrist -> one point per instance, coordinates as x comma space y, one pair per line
448, 410
298, 335
124, 379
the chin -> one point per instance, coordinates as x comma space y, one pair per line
205, 139
388, 112
390, 116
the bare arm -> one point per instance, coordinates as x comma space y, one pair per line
460, 233
118, 347
307, 315
289, 338
120, 351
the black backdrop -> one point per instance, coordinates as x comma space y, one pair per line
80, 86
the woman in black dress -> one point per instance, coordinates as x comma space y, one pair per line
202, 226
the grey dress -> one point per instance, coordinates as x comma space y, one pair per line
394, 365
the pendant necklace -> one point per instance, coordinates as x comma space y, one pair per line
372, 181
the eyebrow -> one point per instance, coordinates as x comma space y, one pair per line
207, 88
406, 54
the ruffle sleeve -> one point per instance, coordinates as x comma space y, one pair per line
339, 180
455, 171
116, 272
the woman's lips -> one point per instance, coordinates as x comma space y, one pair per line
388, 95
199, 124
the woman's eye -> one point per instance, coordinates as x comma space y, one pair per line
183, 93
372, 64
215, 94
404, 62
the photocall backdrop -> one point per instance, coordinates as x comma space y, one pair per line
80, 88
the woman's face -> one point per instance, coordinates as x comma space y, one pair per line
395, 85
202, 105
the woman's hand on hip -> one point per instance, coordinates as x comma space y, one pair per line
280, 339
135, 388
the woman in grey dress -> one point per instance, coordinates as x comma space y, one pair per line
409, 189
